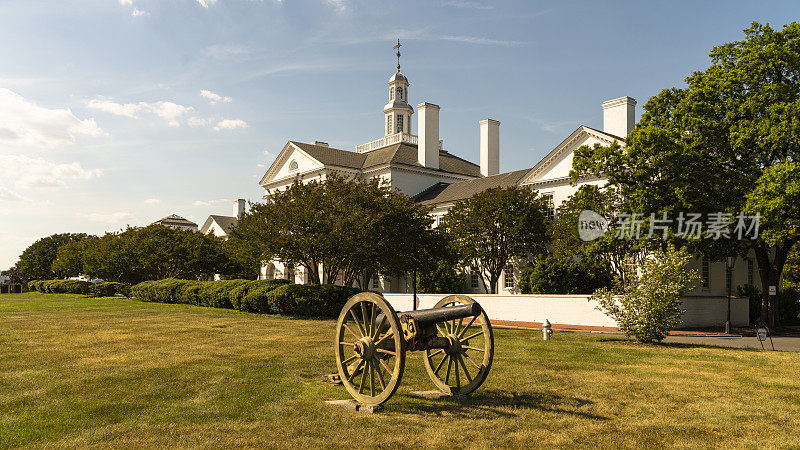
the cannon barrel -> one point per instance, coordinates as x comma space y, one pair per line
434, 315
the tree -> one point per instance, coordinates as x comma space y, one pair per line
494, 226
70, 257
153, 253
552, 275
606, 250
705, 148
353, 229
37, 260
15, 276
649, 306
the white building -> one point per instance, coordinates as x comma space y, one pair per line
221, 226
421, 167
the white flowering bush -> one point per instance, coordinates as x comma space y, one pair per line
649, 305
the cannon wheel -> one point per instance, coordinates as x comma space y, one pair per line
463, 367
369, 348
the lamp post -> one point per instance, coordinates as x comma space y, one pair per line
729, 263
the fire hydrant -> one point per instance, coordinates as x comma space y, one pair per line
547, 330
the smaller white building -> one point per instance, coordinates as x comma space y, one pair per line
221, 226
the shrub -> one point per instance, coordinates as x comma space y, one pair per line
109, 289
263, 296
306, 300
553, 275
253, 296
649, 306
163, 291
217, 293
63, 287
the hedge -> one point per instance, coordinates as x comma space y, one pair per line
102, 289
60, 286
263, 296
109, 289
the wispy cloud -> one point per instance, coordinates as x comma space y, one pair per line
553, 126
7, 195
210, 202
170, 112
42, 174
206, 3
139, 12
230, 124
115, 217
225, 51
484, 41
214, 98
338, 5
467, 4
152, 201
25, 123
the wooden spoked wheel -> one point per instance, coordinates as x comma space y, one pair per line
463, 366
369, 348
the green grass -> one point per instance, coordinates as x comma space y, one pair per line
115, 372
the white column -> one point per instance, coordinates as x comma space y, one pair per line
619, 116
490, 147
428, 129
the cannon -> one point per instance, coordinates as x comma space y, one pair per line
372, 340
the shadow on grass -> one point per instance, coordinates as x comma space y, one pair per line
683, 345
497, 403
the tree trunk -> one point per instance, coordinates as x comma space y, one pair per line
770, 272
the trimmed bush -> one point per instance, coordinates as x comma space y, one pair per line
307, 300
63, 287
263, 296
109, 289
255, 295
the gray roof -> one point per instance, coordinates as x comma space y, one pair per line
449, 193
401, 153
176, 221
225, 222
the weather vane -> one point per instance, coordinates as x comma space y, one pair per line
397, 47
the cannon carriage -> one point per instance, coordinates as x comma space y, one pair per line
372, 339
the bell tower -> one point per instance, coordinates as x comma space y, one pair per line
398, 112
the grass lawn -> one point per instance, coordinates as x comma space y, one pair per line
115, 372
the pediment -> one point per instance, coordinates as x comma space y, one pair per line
291, 161
558, 163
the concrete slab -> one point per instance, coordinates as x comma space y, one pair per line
431, 395
352, 405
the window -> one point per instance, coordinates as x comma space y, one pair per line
391, 94
293, 165
388, 124
376, 282
750, 272
399, 93
509, 276
705, 272
473, 280
551, 209
399, 123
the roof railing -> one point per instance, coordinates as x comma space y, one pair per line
391, 140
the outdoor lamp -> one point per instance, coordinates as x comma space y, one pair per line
729, 263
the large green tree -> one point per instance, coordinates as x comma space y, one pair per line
709, 146
152, 253
493, 227
353, 229
36, 261
607, 251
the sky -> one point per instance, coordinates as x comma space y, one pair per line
121, 112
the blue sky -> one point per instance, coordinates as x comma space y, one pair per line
116, 112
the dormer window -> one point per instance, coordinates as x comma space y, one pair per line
293, 166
